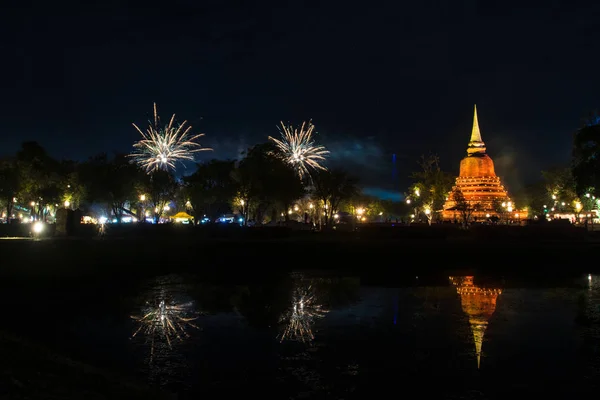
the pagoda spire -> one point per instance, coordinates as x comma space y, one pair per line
476, 145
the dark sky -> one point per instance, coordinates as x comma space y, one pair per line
377, 78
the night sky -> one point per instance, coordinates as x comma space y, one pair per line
376, 78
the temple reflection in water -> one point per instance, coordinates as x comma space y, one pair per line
479, 303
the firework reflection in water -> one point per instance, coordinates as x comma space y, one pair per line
301, 316
165, 322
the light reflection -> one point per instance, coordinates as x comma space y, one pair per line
164, 321
479, 303
299, 319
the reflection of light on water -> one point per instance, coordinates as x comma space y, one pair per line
479, 303
301, 316
164, 321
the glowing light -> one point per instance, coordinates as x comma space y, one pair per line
298, 148
143, 197
427, 211
360, 211
38, 227
67, 203
407, 201
161, 148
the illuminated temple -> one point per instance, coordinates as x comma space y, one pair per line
479, 304
479, 184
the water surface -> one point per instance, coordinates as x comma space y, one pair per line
305, 336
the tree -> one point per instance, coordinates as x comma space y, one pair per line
73, 188
39, 178
463, 206
586, 158
210, 188
161, 187
560, 188
264, 181
430, 188
331, 187
112, 181
10, 184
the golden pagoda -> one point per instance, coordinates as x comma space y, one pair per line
479, 304
479, 184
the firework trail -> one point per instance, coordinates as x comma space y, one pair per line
163, 147
297, 148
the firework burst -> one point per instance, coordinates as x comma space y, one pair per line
164, 321
297, 148
163, 147
300, 318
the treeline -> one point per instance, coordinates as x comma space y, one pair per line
260, 186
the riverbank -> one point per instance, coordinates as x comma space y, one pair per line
381, 256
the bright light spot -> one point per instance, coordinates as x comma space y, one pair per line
407, 201
360, 211
336, 216
102, 220
427, 211
487, 215
67, 203
310, 205
167, 208
296, 208
143, 197
242, 202
38, 227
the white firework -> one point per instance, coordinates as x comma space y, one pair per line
297, 148
163, 147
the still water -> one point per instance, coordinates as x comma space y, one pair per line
304, 336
